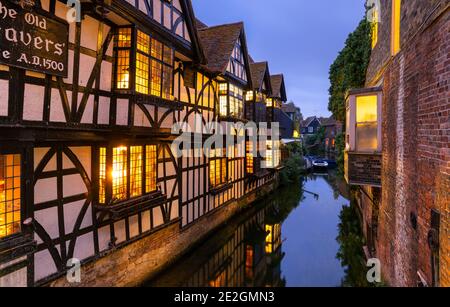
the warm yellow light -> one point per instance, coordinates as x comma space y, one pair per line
269, 102
296, 134
366, 108
396, 16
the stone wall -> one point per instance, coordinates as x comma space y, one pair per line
416, 151
136, 263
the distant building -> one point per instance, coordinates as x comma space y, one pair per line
332, 129
294, 113
311, 126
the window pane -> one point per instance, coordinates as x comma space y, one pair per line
142, 72
156, 78
123, 69
366, 137
135, 171
167, 82
119, 188
157, 49
150, 169
143, 42
223, 105
10, 200
396, 16
366, 109
123, 38
102, 177
168, 55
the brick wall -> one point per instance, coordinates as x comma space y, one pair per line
416, 146
136, 263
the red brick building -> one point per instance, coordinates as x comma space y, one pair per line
406, 141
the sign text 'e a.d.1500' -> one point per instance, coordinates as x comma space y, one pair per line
32, 41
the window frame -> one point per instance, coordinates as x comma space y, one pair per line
239, 97
134, 51
216, 185
13, 150
108, 186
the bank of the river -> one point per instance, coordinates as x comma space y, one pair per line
294, 238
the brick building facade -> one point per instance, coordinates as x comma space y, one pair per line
410, 226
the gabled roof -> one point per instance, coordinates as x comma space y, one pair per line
260, 74
289, 108
218, 43
278, 87
309, 121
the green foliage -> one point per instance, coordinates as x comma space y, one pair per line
349, 69
292, 171
340, 146
316, 143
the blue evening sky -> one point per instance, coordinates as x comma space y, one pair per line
299, 38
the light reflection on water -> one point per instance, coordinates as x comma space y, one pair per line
287, 240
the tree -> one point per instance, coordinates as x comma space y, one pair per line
350, 67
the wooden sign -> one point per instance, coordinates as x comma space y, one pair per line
33, 41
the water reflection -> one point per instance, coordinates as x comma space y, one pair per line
287, 240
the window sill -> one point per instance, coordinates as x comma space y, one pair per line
220, 189
158, 101
16, 246
126, 208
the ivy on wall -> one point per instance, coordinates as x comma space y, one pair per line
349, 69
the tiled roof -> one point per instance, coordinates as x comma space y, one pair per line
218, 43
289, 108
278, 89
258, 71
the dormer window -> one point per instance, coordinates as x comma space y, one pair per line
236, 66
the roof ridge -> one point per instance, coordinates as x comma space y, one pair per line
222, 25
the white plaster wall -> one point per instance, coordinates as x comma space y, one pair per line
134, 226
71, 213
33, 105
4, 90
89, 31
56, 108
157, 11
105, 76
16, 279
157, 217
83, 154
119, 231
73, 185
122, 112
45, 190
104, 237
48, 219
103, 110
84, 246
140, 120
88, 114
39, 153
43, 265
86, 66
145, 221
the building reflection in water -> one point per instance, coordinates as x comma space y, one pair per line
246, 253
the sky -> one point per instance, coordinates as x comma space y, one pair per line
299, 38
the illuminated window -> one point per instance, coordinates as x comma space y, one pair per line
231, 100
218, 167
136, 171
220, 281
150, 171
249, 258
273, 238
119, 186
153, 65
249, 96
102, 176
249, 157
396, 16
10, 200
367, 123
269, 102
374, 25
127, 175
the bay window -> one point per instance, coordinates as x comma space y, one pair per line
133, 172
153, 67
10, 194
231, 100
218, 167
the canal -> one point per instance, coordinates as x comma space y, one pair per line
304, 235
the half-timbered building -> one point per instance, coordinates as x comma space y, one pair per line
86, 115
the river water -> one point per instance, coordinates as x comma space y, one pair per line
297, 237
